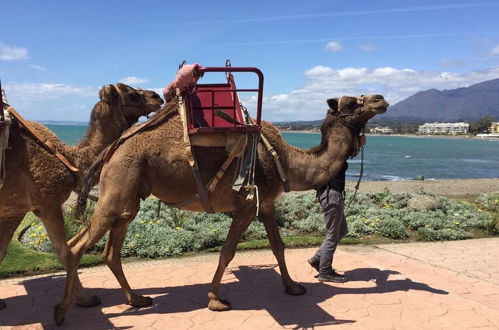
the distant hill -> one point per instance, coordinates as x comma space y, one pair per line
466, 103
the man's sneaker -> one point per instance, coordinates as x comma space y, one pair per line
332, 277
314, 263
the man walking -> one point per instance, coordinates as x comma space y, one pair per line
331, 199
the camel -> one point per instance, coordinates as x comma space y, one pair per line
39, 182
155, 162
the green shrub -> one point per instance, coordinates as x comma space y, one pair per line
488, 202
159, 231
447, 234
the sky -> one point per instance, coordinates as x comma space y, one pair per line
56, 55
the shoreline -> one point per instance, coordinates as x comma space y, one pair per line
422, 136
454, 188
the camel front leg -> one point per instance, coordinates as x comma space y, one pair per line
270, 222
241, 220
53, 220
87, 237
112, 257
7, 228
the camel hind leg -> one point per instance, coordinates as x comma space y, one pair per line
7, 229
267, 213
241, 220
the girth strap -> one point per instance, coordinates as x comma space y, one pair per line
49, 145
270, 148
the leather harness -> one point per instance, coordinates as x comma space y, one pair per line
46, 144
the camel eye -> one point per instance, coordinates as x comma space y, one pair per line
135, 97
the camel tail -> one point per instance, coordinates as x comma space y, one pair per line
90, 180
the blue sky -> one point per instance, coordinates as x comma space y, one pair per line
55, 55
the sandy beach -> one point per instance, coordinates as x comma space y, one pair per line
455, 188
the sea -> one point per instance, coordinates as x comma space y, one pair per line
390, 158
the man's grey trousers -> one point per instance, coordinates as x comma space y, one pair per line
336, 227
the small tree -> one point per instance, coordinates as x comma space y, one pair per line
482, 125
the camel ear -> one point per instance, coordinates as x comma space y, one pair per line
333, 104
108, 93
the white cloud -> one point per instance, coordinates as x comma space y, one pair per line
494, 51
308, 102
133, 80
12, 53
30, 92
334, 46
37, 67
369, 46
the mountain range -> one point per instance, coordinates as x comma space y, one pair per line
460, 104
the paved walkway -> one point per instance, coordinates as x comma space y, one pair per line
452, 285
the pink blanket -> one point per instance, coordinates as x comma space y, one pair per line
186, 77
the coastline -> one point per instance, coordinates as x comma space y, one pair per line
454, 188
465, 137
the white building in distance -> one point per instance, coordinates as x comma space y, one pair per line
444, 128
381, 130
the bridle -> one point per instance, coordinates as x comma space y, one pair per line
357, 132
122, 102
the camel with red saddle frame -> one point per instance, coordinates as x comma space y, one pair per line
157, 161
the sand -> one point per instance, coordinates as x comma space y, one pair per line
456, 188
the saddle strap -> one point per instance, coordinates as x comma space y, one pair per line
160, 115
203, 193
4, 142
277, 162
49, 145
212, 184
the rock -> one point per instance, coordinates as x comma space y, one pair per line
424, 202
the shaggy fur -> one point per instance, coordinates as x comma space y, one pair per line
155, 162
37, 181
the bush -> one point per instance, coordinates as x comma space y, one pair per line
488, 202
159, 231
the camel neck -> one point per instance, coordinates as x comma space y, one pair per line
311, 169
103, 130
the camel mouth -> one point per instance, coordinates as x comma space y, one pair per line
380, 106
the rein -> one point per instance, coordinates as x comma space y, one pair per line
361, 174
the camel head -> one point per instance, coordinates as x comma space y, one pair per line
354, 112
132, 103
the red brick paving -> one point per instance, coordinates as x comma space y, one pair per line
451, 285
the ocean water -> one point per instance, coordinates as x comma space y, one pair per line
391, 157
408, 158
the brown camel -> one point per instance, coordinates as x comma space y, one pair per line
39, 182
155, 162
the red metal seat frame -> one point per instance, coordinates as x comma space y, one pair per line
205, 100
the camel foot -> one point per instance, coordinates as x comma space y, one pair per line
140, 301
59, 314
2, 304
296, 289
219, 305
91, 301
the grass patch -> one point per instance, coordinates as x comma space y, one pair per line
21, 260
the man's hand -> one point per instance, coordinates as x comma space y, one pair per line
362, 140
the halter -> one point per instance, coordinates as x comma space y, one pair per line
122, 101
356, 132
342, 116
